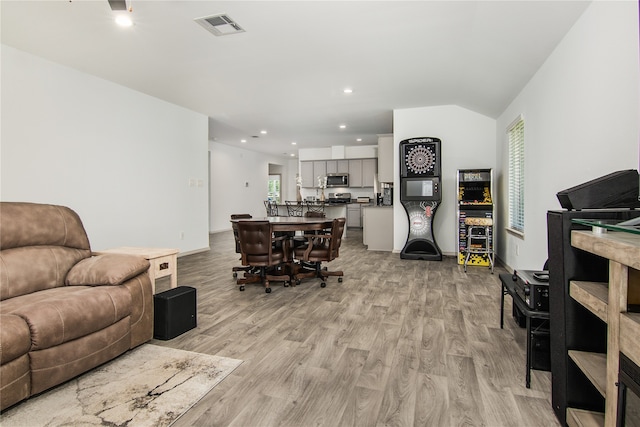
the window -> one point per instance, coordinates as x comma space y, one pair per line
516, 175
273, 192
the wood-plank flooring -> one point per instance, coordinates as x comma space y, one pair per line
398, 343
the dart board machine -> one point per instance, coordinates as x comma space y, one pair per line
420, 194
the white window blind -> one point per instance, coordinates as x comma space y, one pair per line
516, 175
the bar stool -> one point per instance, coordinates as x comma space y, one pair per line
478, 239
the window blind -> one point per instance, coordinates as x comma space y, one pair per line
516, 175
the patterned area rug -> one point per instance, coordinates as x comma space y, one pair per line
147, 386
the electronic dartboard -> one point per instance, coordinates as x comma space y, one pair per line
420, 157
420, 195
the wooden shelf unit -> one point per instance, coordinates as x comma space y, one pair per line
608, 302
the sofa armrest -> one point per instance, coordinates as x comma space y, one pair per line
106, 269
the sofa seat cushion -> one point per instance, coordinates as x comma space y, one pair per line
59, 315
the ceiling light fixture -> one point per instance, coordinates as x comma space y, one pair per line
343, 126
264, 132
243, 140
347, 90
124, 21
294, 143
359, 139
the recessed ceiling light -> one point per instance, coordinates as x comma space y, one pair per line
124, 21
343, 126
294, 143
347, 90
293, 155
359, 139
264, 132
243, 140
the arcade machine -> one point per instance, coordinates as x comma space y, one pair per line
420, 195
475, 211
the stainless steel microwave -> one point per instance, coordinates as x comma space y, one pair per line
337, 180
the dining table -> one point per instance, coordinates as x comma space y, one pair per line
293, 223
290, 224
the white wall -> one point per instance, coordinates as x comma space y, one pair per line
121, 159
581, 121
468, 141
239, 183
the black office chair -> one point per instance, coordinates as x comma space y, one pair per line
259, 250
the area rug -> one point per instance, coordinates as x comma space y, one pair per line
147, 386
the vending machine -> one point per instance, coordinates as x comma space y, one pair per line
420, 194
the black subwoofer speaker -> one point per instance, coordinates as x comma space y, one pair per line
174, 312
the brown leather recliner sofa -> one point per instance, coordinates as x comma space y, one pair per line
62, 310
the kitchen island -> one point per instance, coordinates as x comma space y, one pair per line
377, 227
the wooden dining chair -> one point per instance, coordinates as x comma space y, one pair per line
259, 249
323, 247
234, 226
294, 208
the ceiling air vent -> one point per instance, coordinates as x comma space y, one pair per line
219, 25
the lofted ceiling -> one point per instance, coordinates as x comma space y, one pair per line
286, 73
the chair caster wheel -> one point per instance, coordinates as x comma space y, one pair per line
235, 274
267, 290
286, 284
340, 279
323, 285
241, 288
297, 282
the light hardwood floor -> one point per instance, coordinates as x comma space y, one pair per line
398, 343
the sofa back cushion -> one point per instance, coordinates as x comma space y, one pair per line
38, 246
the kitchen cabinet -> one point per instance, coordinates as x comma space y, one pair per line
369, 168
306, 173
361, 171
385, 158
337, 166
377, 227
355, 173
319, 170
354, 215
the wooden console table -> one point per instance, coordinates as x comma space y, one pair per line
608, 301
164, 262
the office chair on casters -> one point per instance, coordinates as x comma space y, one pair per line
234, 226
320, 248
293, 208
258, 249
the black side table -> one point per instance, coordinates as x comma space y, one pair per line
508, 287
